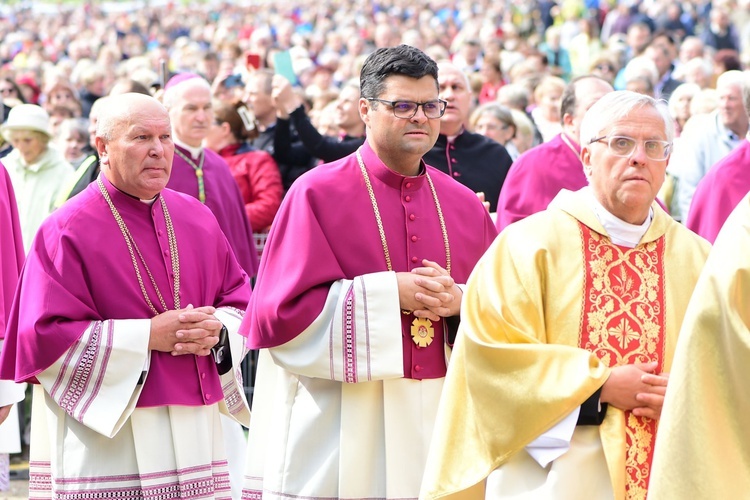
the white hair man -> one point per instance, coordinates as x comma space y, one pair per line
127, 325
202, 173
576, 309
475, 161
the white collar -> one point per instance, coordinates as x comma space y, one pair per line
620, 232
194, 152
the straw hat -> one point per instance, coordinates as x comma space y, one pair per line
26, 117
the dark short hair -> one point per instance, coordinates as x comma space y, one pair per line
401, 60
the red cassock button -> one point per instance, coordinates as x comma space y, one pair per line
407, 198
412, 217
408, 184
414, 259
413, 238
208, 396
417, 368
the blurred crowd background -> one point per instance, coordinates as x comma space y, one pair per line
65, 56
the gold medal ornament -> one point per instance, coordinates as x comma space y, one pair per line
422, 332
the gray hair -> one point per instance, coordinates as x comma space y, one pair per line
729, 78
118, 110
106, 123
617, 105
172, 94
445, 64
494, 109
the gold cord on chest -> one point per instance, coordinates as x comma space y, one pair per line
422, 331
133, 249
198, 172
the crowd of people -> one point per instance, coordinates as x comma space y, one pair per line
461, 238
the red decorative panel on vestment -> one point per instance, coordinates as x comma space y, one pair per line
623, 323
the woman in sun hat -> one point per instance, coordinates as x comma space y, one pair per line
36, 169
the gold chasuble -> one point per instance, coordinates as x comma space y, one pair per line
548, 309
703, 447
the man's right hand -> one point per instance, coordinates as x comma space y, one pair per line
193, 330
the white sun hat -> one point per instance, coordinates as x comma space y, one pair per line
26, 117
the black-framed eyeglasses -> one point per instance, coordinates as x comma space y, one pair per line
407, 109
622, 146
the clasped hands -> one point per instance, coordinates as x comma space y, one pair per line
636, 387
429, 292
192, 330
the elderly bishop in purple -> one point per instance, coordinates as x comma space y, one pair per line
126, 319
200, 172
356, 299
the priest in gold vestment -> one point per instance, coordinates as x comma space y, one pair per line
703, 450
568, 327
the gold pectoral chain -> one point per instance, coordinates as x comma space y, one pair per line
422, 331
198, 172
133, 249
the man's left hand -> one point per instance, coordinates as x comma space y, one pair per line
653, 399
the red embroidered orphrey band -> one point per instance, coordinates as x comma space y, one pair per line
623, 322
